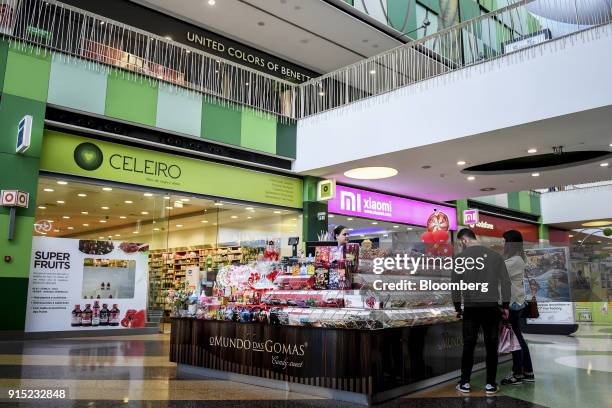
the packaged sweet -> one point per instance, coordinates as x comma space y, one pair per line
321, 278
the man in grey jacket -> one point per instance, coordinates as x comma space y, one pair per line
480, 307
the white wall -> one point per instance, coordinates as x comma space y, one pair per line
554, 79
577, 205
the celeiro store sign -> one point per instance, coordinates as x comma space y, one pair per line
384, 207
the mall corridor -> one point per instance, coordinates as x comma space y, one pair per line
133, 371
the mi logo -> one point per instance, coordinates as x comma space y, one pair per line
350, 201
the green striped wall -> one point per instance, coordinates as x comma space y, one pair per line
24, 78
92, 88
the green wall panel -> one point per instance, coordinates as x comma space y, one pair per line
286, 139
74, 84
468, 9
20, 248
19, 173
258, 131
27, 74
221, 123
397, 10
130, 99
535, 204
524, 201
179, 110
14, 300
433, 5
3, 57
12, 109
513, 201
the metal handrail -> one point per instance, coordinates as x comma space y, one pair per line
483, 38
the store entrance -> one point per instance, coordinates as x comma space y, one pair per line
126, 242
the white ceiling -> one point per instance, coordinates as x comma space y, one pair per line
589, 130
310, 33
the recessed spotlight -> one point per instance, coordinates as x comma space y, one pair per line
220, 204
56, 230
304, 40
409, 228
610, 144
427, 166
204, 222
60, 202
103, 221
49, 190
123, 217
570, 236
84, 212
42, 207
66, 217
169, 208
211, 2
372, 72
104, 208
261, 23
144, 212
102, 22
62, 183
148, 195
70, 228
396, 226
488, 189
82, 195
321, 93
234, 217
100, 237
371, 173
349, 219
128, 202
168, 38
155, 229
374, 223
179, 225
166, 197
107, 189
535, 174
532, 150
246, 83
471, 178
461, 163
277, 212
117, 235
135, 232
249, 208
249, 217
331, 216
604, 164
294, 219
86, 225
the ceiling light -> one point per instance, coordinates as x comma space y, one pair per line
49, 190
261, 23
294, 219
135, 232
82, 195
532, 150
70, 228
211, 2
396, 226
349, 219
42, 207
371, 173
59, 231
372, 72
148, 195
84, 212
471, 178
123, 217
179, 225
66, 217
204, 222
409, 228
62, 183
246, 83
166, 197
51, 221
249, 208
104, 208
610, 144
155, 229
220, 204
168, 38
103, 221
535, 174
102, 23
599, 223
374, 223
331, 216
128, 202
60, 202
234, 217
144, 212
107, 189
169, 208
571, 236
461, 163
86, 225
321, 93
249, 218
184, 200
604, 164
100, 237
488, 189
117, 235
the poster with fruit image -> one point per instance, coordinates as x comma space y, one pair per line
86, 285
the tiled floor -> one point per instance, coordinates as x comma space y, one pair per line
127, 371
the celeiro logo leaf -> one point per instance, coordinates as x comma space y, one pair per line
88, 156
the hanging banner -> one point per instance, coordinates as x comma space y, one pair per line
547, 277
86, 285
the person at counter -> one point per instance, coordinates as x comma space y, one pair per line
341, 235
480, 307
346, 258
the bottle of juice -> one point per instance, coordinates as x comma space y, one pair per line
104, 315
76, 316
95, 316
114, 316
86, 316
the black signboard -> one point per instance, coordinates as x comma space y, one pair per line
179, 31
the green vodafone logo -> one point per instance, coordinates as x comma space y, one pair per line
88, 156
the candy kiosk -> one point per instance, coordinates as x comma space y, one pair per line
316, 324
